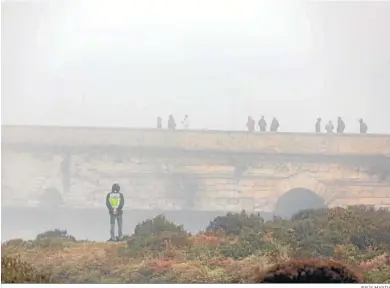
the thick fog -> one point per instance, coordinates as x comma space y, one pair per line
123, 63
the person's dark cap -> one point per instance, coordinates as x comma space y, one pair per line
116, 187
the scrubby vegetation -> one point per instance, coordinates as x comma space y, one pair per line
13, 270
351, 244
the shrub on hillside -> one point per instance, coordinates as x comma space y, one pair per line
246, 245
237, 223
13, 270
54, 239
310, 233
310, 213
56, 233
14, 243
153, 236
156, 226
318, 232
379, 274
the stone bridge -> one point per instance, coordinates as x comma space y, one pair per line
192, 170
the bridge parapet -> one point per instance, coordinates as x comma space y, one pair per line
197, 140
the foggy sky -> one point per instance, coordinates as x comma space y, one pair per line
122, 63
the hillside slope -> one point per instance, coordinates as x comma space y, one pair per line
234, 248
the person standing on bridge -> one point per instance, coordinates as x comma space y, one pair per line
274, 125
185, 122
363, 127
159, 122
329, 127
318, 125
115, 202
262, 124
171, 122
250, 124
340, 125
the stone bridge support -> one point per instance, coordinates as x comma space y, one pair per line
199, 170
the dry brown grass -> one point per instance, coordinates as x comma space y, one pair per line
244, 251
13, 270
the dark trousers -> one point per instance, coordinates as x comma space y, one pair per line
118, 218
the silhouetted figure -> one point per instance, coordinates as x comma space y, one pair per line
363, 126
250, 124
274, 125
318, 125
329, 127
159, 122
185, 122
171, 123
262, 124
340, 125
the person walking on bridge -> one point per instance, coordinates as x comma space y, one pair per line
115, 202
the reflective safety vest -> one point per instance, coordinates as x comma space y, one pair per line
115, 200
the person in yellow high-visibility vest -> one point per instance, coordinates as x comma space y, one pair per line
115, 202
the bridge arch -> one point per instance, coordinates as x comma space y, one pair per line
299, 192
297, 199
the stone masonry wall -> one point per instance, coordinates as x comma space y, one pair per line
26, 175
201, 170
198, 182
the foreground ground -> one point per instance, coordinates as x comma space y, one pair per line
232, 248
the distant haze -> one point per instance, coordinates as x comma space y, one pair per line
123, 63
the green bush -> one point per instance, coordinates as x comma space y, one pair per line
248, 244
14, 243
310, 233
156, 226
153, 236
56, 233
317, 232
310, 213
237, 223
53, 239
